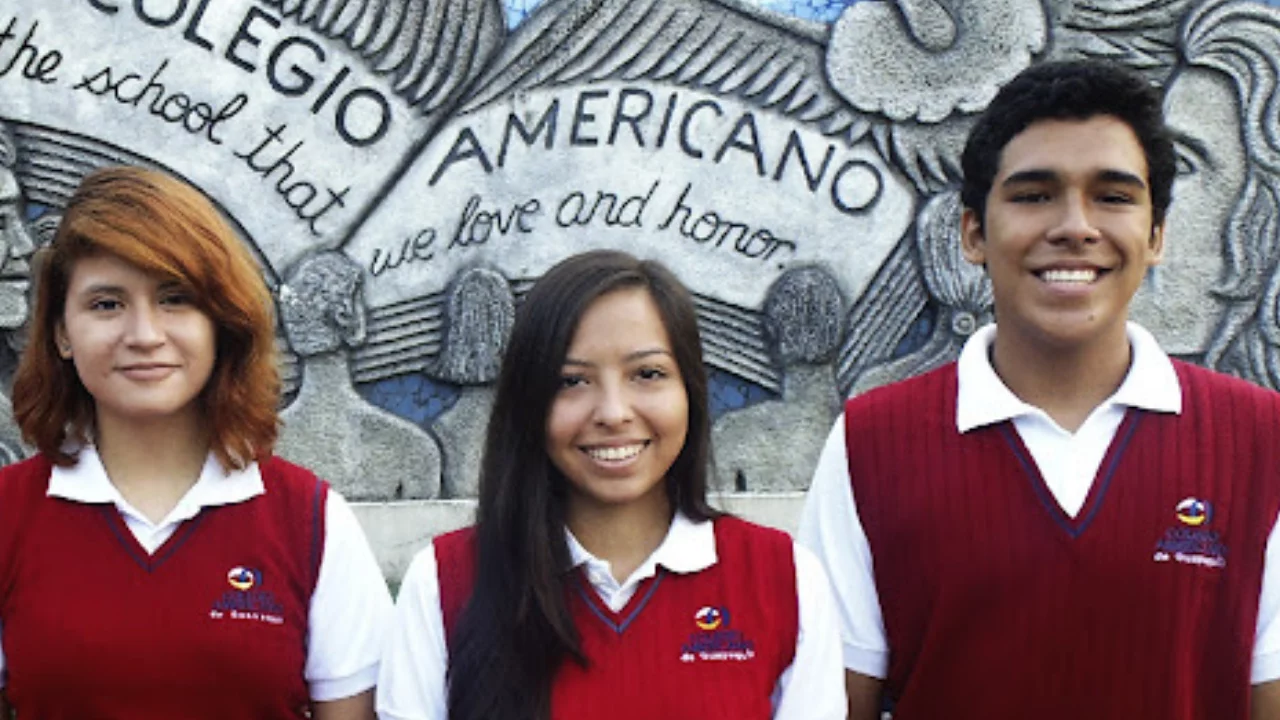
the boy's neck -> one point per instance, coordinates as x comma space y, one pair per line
1067, 383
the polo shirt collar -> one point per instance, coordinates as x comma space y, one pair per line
688, 547
87, 482
983, 399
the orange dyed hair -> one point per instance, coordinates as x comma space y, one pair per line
167, 228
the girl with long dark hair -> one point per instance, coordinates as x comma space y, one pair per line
597, 581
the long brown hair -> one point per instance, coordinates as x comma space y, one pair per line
164, 227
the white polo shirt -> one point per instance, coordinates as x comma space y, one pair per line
830, 525
411, 684
350, 609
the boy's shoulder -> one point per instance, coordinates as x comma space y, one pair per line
1202, 387
928, 394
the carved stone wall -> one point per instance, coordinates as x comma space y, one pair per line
404, 170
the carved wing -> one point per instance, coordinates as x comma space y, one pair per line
402, 338
51, 163
719, 46
1141, 34
892, 302
407, 337
733, 341
432, 48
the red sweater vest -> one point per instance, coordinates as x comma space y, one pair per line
213, 625
998, 605
701, 646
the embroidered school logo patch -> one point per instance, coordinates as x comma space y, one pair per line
243, 579
247, 600
1194, 512
714, 640
1192, 542
710, 618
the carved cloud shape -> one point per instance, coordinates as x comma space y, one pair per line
926, 59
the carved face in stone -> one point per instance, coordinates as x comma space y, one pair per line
16, 245
1202, 110
322, 305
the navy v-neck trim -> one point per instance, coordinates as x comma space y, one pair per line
1074, 527
148, 562
618, 622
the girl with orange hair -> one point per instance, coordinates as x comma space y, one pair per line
155, 560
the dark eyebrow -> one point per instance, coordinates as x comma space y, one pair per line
641, 354
1042, 176
1030, 176
104, 288
1123, 177
631, 357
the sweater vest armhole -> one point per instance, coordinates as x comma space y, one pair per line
319, 506
298, 493
455, 574
767, 557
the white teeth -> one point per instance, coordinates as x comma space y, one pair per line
1069, 276
615, 454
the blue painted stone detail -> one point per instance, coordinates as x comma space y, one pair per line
730, 392
919, 332
413, 397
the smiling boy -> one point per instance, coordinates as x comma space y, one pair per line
1064, 523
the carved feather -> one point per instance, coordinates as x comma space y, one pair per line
718, 46
431, 49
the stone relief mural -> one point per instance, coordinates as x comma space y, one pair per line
405, 169
803, 319
365, 451
16, 246
480, 312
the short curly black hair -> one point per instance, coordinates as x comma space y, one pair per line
1070, 90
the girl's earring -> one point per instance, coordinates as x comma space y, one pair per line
65, 351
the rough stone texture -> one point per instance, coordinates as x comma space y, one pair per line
364, 451
16, 246
480, 312
961, 293
931, 57
413, 166
461, 429
775, 444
